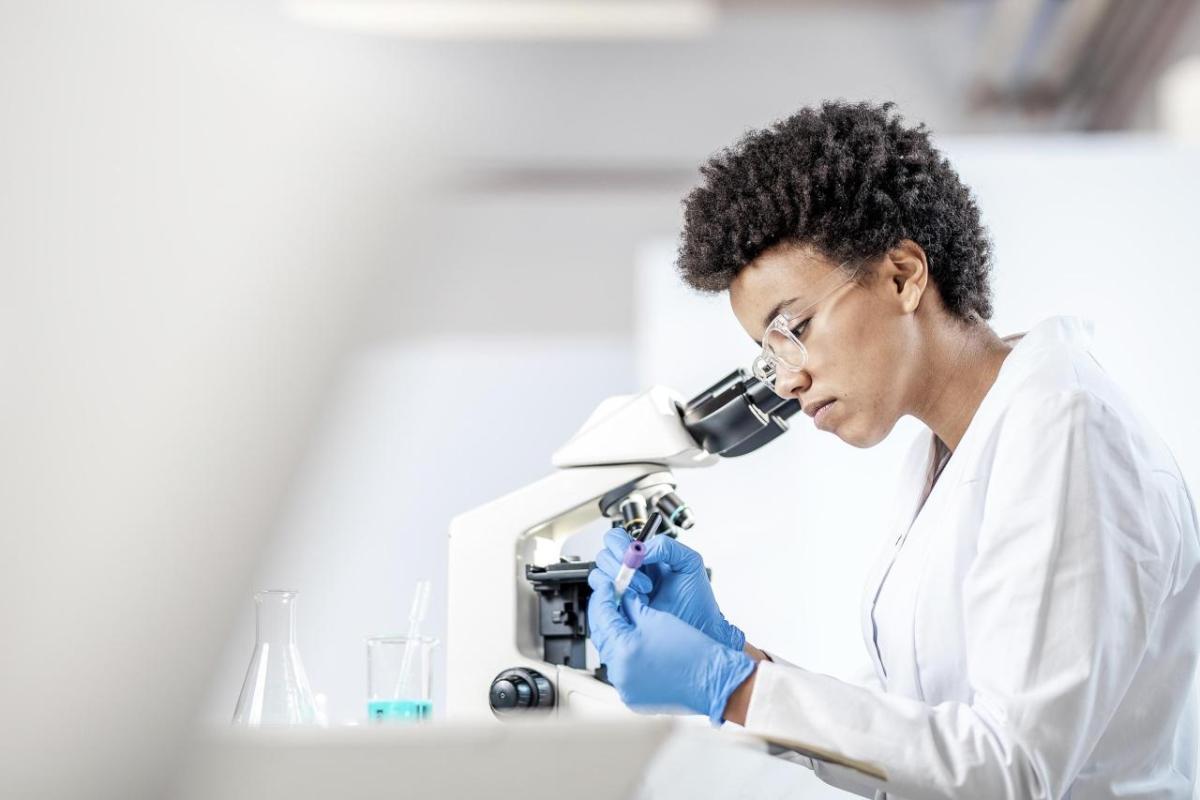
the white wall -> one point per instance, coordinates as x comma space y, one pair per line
1104, 228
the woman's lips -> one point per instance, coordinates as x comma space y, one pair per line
821, 415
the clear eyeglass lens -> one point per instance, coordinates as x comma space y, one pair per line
784, 350
764, 370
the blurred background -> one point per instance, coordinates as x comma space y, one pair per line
284, 286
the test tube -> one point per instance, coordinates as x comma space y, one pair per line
653, 526
629, 564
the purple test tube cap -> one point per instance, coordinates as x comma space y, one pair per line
634, 554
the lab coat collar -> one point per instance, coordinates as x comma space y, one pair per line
1064, 332
1068, 332
1055, 332
1074, 331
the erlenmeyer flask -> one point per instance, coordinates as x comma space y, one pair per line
276, 690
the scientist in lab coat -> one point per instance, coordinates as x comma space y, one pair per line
1033, 616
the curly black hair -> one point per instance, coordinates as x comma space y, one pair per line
849, 180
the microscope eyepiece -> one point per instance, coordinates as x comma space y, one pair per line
737, 415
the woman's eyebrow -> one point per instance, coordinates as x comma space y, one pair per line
774, 312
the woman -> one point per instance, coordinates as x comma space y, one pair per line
1032, 619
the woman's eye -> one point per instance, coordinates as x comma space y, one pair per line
799, 328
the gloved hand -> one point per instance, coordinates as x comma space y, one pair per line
672, 579
657, 661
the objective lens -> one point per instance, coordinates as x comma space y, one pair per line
676, 511
633, 514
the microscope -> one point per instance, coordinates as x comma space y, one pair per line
517, 634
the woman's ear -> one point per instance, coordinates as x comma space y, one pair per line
908, 274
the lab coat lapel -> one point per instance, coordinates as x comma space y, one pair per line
907, 502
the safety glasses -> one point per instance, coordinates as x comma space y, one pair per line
782, 350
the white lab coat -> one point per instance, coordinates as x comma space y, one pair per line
1033, 624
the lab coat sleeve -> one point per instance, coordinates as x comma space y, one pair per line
863, 676
839, 777
1058, 605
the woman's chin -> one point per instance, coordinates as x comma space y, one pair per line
860, 437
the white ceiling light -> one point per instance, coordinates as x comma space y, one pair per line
512, 19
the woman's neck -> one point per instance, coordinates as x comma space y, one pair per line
964, 363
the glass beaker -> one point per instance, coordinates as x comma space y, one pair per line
400, 678
276, 690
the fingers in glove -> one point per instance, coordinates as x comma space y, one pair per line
670, 552
604, 618
634, 606
616, 541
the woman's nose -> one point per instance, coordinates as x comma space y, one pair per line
790, 383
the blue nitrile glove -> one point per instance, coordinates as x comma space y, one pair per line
672, 579
658, 662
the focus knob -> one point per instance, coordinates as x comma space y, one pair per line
518, 689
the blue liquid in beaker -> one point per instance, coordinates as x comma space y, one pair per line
399, 710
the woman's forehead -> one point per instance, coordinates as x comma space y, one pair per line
777, 278
786, 268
